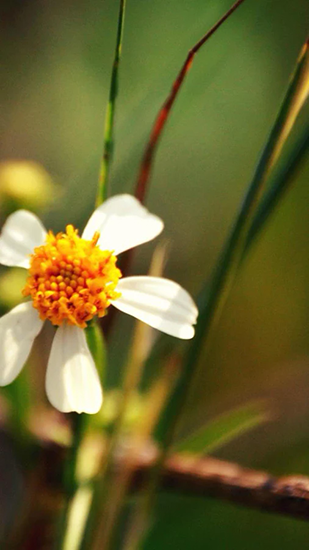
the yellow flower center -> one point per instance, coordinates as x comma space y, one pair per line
71, 279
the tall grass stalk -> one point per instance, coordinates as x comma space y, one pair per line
110, 112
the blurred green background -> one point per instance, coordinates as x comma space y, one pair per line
55, 70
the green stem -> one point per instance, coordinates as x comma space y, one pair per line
70, 481
110, 112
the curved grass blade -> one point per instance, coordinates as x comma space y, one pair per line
110, 112
213, 297
224, 428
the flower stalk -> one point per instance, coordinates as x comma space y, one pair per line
78, 496
70, 482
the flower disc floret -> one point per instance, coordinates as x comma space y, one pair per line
71, 279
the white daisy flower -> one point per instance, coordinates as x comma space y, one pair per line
71, 280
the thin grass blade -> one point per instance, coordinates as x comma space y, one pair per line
224, 428
110, 112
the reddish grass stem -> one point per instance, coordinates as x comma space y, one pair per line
158, 127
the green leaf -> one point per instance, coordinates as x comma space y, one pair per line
225, 428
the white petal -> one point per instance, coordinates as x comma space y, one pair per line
72, 381
21, 233
18, 329
123, 223
160, 303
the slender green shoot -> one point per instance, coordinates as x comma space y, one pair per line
110, 112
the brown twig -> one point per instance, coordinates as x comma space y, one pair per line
182, 473
210, 477
165, 110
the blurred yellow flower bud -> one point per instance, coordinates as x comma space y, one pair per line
25, 184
